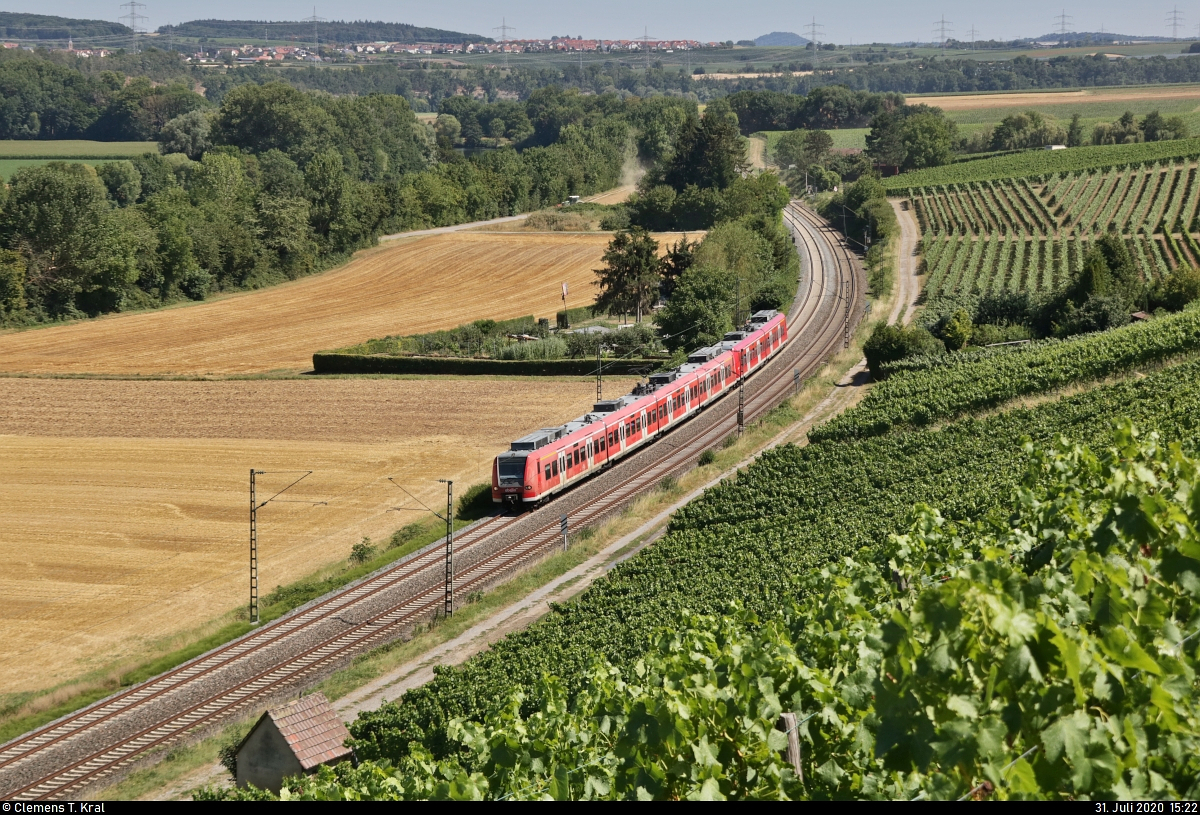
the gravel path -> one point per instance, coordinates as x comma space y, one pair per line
908, 262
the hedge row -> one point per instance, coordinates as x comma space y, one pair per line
459, 366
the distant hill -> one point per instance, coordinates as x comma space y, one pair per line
1089, 37
17, 26
780, 38
333, 31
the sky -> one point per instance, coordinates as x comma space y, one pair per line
853, 21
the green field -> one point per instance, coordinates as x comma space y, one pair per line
848, 138
18, 153
73, 148
8, 166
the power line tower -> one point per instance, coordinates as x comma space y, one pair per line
1174, 22
134, 25
314, 19
504, 28
814, 32
941, 29
1063, 20
645, 41
973, 33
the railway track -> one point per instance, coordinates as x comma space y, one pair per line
97, 744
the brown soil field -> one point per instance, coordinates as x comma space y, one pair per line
986, 101
123, 504
408, 286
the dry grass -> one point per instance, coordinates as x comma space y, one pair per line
987, 101
123, 504
409, 286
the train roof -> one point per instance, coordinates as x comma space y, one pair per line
605, 409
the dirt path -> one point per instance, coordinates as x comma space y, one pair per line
756, 152
907, 263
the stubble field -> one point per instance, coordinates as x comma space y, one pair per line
123, 504
408, 286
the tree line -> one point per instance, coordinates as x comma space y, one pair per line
425, 86
277, 183
745, 263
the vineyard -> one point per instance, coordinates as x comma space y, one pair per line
1031, 234
1032, 163
754, 538
932, 389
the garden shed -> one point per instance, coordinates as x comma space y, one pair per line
295, 738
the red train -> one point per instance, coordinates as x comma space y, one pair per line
549, 460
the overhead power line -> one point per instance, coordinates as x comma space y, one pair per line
1175, 22
314, 19
645, 41
1063, 20
814, 31
135, 19
504, 28
942, 30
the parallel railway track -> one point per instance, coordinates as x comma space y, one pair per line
97, 744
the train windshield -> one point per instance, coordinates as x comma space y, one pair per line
512, 467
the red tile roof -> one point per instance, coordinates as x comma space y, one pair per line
313, 730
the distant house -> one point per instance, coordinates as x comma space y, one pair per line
296, 738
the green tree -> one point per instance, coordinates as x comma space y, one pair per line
12, 285
258, 118
631, 275
928, 140
957, 331
1075, 131
680, 257
1179, 288
188, 133
700, 311
885, 141
122, 180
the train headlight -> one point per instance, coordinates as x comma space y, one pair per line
529, 487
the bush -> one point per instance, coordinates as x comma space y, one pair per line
475, 503
987, 334
227, 758
706, 458
958, 330
403, 536
550, 348
1178, 289
362, 551
889, 343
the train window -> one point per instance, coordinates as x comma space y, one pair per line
575, 455
555, 465
547, 472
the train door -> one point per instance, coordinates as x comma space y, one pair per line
591, 453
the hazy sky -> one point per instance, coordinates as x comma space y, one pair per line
843, 22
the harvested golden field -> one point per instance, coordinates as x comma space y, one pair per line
123, 504
986, 101
408, 286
